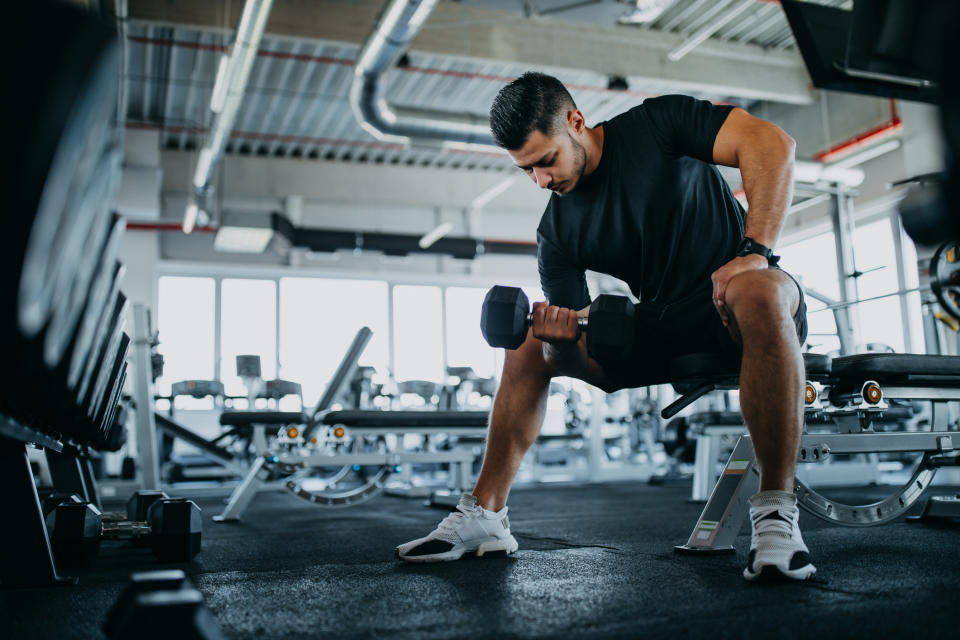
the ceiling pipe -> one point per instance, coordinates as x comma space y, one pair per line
225, 103
708, 30
391, 244
398, 25
891, 127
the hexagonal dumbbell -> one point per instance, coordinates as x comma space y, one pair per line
74, 528
506, 316
161, 604
172, 528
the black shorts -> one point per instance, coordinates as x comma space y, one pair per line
689, 325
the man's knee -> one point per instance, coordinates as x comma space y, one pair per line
762, 297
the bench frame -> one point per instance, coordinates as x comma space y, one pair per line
723, 516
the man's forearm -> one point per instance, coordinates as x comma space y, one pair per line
566, 357
767, 171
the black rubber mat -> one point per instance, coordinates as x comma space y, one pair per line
594, 561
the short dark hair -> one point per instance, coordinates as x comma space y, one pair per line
532, 101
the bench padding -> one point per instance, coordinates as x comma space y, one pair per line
898, 367
697, 366
359, 418
247, 418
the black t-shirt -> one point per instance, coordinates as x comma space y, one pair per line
655, 213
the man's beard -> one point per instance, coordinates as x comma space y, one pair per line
579, 160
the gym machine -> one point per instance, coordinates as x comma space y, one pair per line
342, 458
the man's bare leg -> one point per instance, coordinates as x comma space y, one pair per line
518, 411
762, 305
515, 422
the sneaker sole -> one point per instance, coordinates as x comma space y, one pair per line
491, 549
770, 573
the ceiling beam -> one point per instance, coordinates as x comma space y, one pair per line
718, 68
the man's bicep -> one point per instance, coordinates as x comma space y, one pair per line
563, 284
744, 132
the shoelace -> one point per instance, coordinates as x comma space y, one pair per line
764, 525
450, 524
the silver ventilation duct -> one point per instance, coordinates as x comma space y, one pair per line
399, 24
228, 92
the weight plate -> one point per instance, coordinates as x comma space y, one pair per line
101, 333
111, 391
75, 285
79, 104
105, 368
114, 435
96, 300
945, 277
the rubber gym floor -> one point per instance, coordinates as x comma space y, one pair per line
595, 561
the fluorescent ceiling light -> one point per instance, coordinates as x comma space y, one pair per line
646, 11
243, 232
242, 240
203, 167
813, 172
867, 154
432, 236
220, 86
190, 217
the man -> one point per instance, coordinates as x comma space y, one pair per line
639, 197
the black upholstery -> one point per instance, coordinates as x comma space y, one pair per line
247, 418
898, 367
360, 418
711, 365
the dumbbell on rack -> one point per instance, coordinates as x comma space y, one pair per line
506, 316
171, 527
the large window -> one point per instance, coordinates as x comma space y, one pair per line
248, 325
465, 344
186, 326
912, 280
301, 327
880, 320
418, 333
318, 320
813, 263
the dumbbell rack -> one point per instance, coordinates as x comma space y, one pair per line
26, 558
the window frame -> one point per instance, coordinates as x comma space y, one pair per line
276, 273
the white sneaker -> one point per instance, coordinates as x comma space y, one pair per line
777, 550
469, 529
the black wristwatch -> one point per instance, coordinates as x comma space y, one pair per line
748, 245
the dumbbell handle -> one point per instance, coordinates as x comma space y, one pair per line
124, 530
581, 322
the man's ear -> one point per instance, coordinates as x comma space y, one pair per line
576, 121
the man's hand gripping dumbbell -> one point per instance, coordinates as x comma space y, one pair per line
506, 316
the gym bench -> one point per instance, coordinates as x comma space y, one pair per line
856, 389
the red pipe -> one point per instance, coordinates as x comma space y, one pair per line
894, 124
166, 42
276, 137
